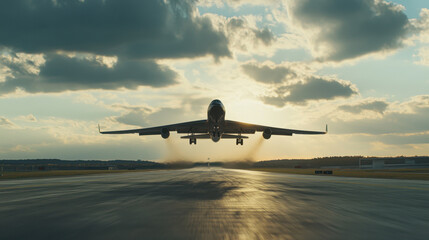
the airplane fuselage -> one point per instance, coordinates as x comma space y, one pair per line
216, 119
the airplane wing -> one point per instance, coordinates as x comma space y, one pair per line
240, 127
200, 126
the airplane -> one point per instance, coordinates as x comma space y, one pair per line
215, 127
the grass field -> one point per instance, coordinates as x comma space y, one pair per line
39, 174
412, 174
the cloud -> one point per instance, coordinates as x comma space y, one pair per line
400, 139
189, 109
125, 28
61, 73
264, 35
313, 89
423, 56
338, 30
134, 115
407, 117
268, 74
5, 122
196, 105
421, 25
23, 139
235, 3
62, 140
141, 117
244, 36
377, 106
28, 118
124, 39
295, 84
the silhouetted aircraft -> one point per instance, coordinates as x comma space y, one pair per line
214, 127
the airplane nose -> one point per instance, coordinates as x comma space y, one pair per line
217, 111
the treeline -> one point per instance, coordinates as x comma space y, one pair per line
345, 161
340, 161
59, 161
57, 164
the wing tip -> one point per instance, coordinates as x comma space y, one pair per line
326, 129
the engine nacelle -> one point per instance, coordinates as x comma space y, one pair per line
165, 133
267, 133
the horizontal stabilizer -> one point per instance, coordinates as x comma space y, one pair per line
233, 136
200, 136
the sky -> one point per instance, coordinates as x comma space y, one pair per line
360, 66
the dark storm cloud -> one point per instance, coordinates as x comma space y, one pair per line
351, 28
374, 105
313, 89
61, 73
127, 28
267, 74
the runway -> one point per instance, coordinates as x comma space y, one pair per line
213, 203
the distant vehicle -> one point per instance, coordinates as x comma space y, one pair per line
215, 127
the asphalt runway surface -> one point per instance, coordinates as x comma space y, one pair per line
215, 203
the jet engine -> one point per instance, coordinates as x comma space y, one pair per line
165, 133
267, 133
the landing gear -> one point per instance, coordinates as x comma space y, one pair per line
193, 141
239, 141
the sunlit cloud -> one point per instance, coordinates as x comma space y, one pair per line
6, 122
377, 106
244, 36
406, 117
235, 3
338, 30
293, 64
291, 84
421, 26
423, 56
269, 74
28, 118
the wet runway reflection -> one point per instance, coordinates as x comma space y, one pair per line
214, 203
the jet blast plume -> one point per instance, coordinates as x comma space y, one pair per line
254, 150
173, 153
